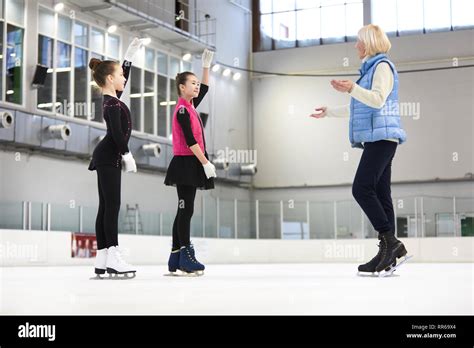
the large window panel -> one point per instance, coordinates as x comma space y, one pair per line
113, 46
46, 22
332, 23
63, 78
284, 29
162, 63
64, 28
45, 57
15, 11
462, 13
149, 96
173, 100
14, 65
81, 108
97, 40
266, 32
283, 6
81, 34
308, 27
437, 14
354, 18
174, 67
135, 97
1, 60
410, 16
265, 6
162, 104
384, 13
149, 59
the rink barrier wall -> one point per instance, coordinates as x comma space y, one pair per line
43, 248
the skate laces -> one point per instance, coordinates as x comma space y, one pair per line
119, 256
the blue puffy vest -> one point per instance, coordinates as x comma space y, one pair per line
367, 124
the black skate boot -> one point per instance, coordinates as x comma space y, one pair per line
370, 266
173, 262
188, 263
392, 249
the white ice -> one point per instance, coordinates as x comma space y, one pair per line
313, 289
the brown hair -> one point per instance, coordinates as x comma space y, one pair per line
102, 68
181, 79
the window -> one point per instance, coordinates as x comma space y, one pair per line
45, 22
162, 63
81, 109
1, 58
418, 16
14, 64
75, 94
15, 11
172, 101
63, 78
80, 34
162, 83
97, 40
286, 24
174, 66
113, 46
149, 96
135, 97
45, 57
149, 59
64, 28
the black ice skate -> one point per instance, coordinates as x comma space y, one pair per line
392, 249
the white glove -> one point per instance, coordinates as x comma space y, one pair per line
134, 46
207, 58
210, 170
129, 163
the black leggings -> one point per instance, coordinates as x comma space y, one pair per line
371, 187
106, 229
182, 221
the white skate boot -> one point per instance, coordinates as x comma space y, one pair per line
100, 263
116, 265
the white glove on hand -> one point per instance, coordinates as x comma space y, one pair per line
207, 58
129, 163
210, 170
134, 46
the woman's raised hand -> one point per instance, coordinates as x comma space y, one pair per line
342, 85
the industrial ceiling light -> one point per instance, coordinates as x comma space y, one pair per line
237, 76
59, 7
112, 29
216, 68
226, 72
187, 57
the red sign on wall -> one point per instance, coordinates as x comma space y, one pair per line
83, 245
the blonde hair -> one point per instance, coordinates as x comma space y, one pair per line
374, 39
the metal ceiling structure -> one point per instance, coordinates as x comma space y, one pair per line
156, 19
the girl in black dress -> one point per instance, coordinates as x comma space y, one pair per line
108, 157
190, 167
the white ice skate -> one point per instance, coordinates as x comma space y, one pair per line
100, 263
116, 266
389, 272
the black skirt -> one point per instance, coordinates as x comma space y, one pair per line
187, 170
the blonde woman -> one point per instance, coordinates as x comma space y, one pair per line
374, 126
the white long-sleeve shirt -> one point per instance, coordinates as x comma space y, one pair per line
382, 85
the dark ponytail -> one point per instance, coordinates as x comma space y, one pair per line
102, 68
181, 79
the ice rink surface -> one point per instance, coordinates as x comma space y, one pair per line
268, 289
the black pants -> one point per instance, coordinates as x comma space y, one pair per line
371, 187
182, 221
106, 224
